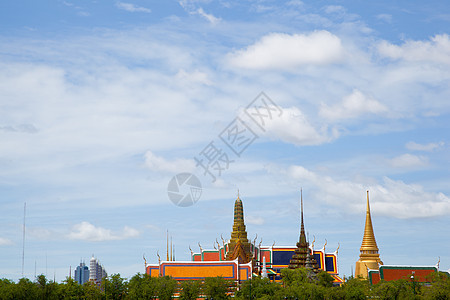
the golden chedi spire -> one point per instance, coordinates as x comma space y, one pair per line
239, 246
369, 258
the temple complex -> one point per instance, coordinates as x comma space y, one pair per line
240, 259
369, 258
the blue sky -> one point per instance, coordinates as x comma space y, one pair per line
102, 102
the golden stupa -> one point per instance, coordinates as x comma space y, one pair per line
369, 258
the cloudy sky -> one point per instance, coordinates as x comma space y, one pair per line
103, 102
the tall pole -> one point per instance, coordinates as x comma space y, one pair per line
23, 239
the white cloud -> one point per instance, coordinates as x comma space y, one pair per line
132, 8
194, 77
280, 51
393, 198
408, 161
160, 164
254, 220
209, 17
335, 9
293, 127
424, 147
5, 242
190, 7
351, 107
385, 17
437, 50
88, 232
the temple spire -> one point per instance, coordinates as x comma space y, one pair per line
369, 258
369, 242
300, 254
302, 238
239, 246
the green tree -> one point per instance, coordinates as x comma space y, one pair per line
257, 288
395, 289
142, 286
7, 288
25, 289
190, 290
356, 288
115, 287
166, 287
440, 287
324, 279
216, 288
294, 276
91, 291
70, 289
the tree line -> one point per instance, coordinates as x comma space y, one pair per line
296, 284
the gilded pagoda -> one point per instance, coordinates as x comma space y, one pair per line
369, 258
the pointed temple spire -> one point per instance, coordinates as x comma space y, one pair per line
239, 246
300, 254
302, 238
369, 258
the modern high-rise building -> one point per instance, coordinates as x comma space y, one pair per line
96, 270
81, 273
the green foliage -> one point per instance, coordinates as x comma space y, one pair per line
296, 285
439, 289
294, 276
398, 289
356, 288
190, 290
70, 289
142, 286
216, 288
166, 287
91, 291
324, 279
257, 288
114, 287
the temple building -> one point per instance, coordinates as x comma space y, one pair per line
239, 258
370, 266
369, 258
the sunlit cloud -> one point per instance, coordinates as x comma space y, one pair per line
89, 232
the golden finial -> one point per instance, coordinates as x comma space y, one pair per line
145, 261
159, 257
238, 193
192, 252
223, 241
339, 246
200, 246
260, 242
273, 244
254, 241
